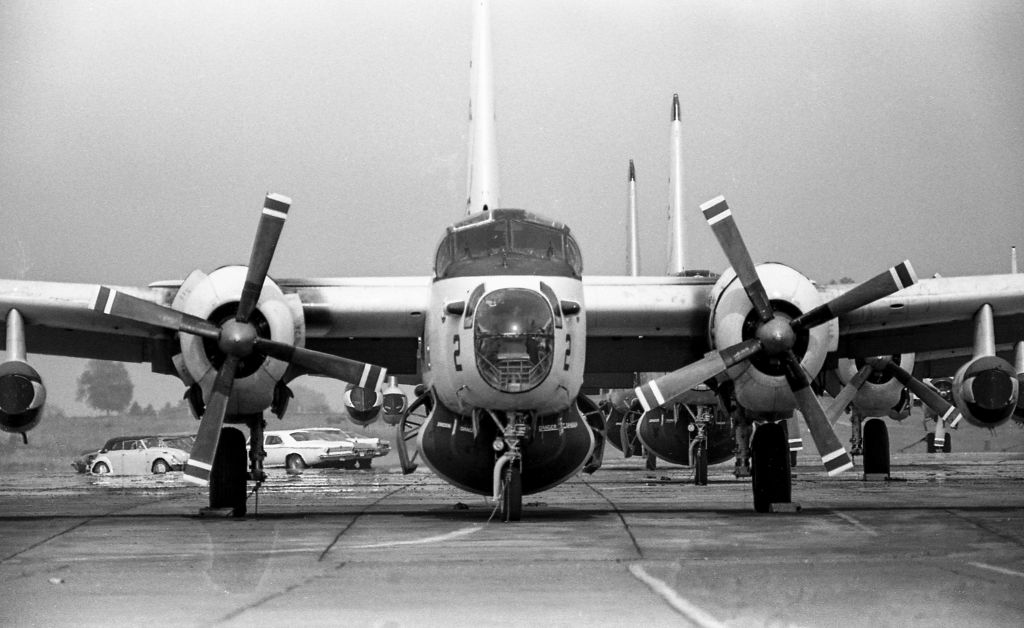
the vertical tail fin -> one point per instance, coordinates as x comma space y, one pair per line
677, 254
634, 239
482, 177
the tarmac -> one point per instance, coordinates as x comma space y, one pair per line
940, 544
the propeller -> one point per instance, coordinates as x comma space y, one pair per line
237, 338
946, 413
775, 336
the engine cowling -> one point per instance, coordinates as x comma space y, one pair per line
22, 397
760, 382
362, 404
986, 390
394, 403
882, 394
215, 297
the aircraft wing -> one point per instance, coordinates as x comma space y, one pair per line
659, 324
935, 319
378, 317
643, 324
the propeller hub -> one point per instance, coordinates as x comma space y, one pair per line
237, 339
776, 336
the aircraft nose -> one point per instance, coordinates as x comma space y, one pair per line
514, 337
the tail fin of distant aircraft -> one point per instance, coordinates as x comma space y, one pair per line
677, 253
633, 255
1013, 260
482, 178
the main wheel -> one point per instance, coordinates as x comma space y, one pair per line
700, 463
228, 476
512, 495
364, 463
947, 446
769, 467
294, 462
876, 447
100, 468
160, 466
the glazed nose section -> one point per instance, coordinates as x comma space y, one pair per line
514, 339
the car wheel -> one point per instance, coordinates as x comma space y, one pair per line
295, 462
100, 468
160, 466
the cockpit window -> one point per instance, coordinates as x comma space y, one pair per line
515, 241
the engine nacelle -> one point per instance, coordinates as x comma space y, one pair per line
362, 404
215, 297
986, 390
22, 396
394, 403
881, 394
760, 382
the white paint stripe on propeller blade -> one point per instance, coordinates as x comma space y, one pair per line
827, 458
275, 214
838, 470
642, 397
657, 393
195, 480
110, 302
199, 465
949, 413
365, 376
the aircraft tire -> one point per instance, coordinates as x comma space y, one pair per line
228, 476
947, 447
365, 463
769, 467
700, 464
876, 447
929, 441
512, 496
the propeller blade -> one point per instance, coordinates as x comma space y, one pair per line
940, 434
719, 217
847, 394
833, 455
667, 388
357, 373
947, 412
200, 463
898, 277
115, 303
275, 211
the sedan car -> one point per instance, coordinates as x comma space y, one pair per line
137, 455
319, 447
366, 448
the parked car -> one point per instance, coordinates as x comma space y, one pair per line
319, 447
366, 448
138, 455
183, 441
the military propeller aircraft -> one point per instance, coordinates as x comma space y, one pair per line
501, 340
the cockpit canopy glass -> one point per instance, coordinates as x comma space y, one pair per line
514, 335
512, 240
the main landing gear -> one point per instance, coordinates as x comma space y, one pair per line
769, 466
230, 474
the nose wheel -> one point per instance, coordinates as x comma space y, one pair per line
512, 493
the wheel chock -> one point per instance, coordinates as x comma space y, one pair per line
784, 507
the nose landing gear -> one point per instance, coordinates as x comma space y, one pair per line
508, 482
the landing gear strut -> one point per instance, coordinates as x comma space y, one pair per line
508, 468
699, 444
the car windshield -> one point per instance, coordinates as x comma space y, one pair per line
179, 442
331, 433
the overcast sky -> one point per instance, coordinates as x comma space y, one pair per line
138, 138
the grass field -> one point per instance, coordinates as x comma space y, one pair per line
59, 439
